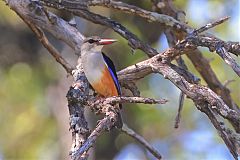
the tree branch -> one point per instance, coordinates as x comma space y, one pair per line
230, 138
140, 139
227, 58
201, 63
105, 124
52, 50
209, 26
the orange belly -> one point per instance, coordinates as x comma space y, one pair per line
106, 86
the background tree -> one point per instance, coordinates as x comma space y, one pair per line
33, 107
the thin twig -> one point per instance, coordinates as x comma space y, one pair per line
134, 100
210, 25
99, 105
141, 140
178, 117
172, 39
227, 82
52, 50
228, 59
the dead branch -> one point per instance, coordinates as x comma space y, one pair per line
52, 50
78, 122
201, 64
228, 59
106, 124
180, 107
141, 140
114, 100
77, 7
210, 25
203, 67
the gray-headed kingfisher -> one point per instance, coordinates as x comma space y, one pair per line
100, 70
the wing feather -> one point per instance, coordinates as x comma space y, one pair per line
112, 71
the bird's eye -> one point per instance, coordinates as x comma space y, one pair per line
91, 41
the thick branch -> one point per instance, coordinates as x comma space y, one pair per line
135, 100
196, 92
203, 67
48, 21
230, 138
105, 124
201, 64
76, 6
78, 123
98, 104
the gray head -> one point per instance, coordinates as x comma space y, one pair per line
95, 44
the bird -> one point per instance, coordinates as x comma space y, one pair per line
100, 70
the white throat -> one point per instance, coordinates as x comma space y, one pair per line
93, 65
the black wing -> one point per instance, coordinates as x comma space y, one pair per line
112, 70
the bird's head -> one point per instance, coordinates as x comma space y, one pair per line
95, 44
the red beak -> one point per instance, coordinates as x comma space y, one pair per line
107, 41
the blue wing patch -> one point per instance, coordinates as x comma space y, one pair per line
112, 71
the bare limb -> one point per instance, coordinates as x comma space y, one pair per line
228, 59
231, 139
78, 122
105, 124
114, 100
210, 25
150, 16
52, 50
201, 64
195, 91
57, 26
203, 67
78, 6
141, 140
180, 107
233, 47
198, 93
